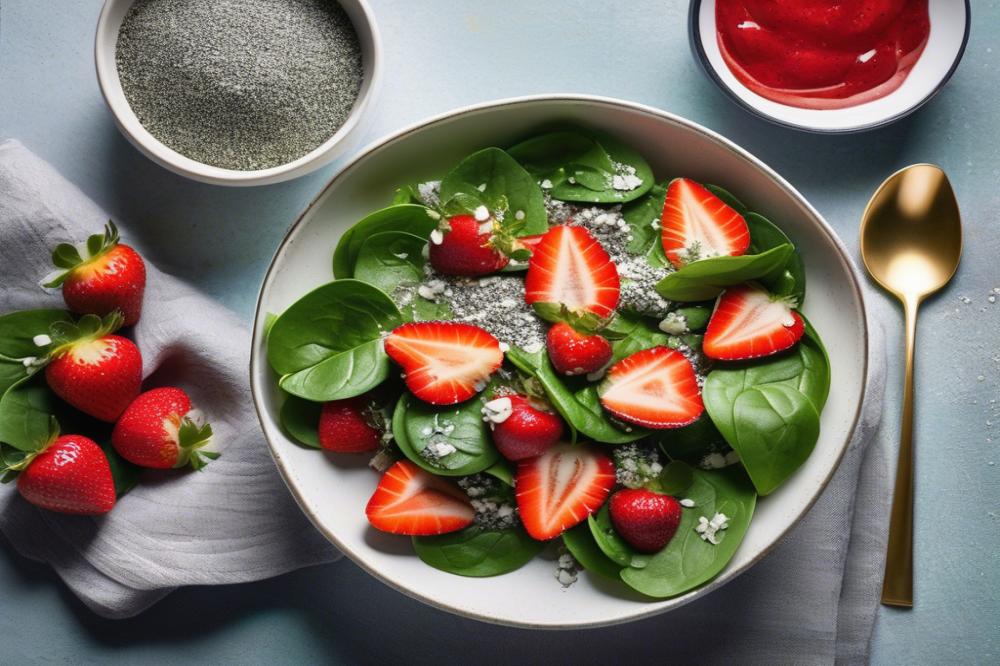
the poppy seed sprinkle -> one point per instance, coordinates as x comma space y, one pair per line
240, 84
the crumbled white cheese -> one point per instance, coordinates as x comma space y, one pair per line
42, 340
546, 184
440, 449
674, 324
708, 529
687, 503
519, 215
482, 213
534, 347
437, 237
498, 410
481, 187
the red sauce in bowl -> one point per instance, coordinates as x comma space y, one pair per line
822, 54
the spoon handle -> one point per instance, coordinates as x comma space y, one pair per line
897, 586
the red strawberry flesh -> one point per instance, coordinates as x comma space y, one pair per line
72, 476
696, 224
749, 322
100, 377
147, 432
646, 520
655, 388
575, 353
466, 248
568, 266
115, 280
444, 362
409, 500
560, 488
528, 431
345, 426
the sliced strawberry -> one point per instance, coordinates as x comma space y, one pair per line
654, 388
560, 488
570, 267
749, 322
696, 224
445, 362
409, 500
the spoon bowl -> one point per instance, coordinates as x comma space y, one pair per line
911, 243
911, 232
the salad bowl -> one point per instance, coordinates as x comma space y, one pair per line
333, 491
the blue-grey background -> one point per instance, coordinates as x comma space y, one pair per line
440, 54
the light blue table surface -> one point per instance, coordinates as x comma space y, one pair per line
441, 54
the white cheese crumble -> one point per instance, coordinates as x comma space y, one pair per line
481, 187
709, 529
482, 213
687, 503
519, 215
437, 237
674, 324
498, 410
42, 340
546, 184
534, 347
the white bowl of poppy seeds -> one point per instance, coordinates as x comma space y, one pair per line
238, 92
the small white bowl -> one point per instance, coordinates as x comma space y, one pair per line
950, 24
346, 137
333, 490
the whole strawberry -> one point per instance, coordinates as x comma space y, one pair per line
71, 475
349, 426
646, 520
521, 429
92, 369
101, 276
159, 430
466, 247
575, 353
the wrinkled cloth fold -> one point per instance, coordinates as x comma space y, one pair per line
811, 601
233, 522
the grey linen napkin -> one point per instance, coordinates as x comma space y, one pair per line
812, 601
235, 521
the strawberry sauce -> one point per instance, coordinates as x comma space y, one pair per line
822, 54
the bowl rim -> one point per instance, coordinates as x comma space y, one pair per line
258, 356
694, 37
163, 155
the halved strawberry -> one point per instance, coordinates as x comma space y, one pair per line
750, 322
409, 500
568, 266
696, 224
654, 388
560, 488
445, 362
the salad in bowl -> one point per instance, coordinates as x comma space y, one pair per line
551, 349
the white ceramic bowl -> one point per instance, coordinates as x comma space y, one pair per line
333, 490
950, 23
345, 138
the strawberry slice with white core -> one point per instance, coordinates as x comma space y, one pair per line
568, 266
409, 500
445, 362
655, 388
750, 322
560, 488
696, 224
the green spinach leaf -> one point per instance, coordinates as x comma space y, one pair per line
493, 178
641, 215
417, 425
575, 399
391, 258
689, 561
26, 415
633, 333
580, 543
612, 545
300, 419
18, 329
124, 474
328, 344
477, 552
788, 280
707, 278
693, 442
411, 218
727, 198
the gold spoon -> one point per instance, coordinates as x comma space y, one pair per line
911, 242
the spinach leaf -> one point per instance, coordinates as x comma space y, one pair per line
18, 329
675, 479
390, 258
641, 215
493, 178
575, 399
407, 194
328, 344
612, 545
26, 415
692, 442
477, 552
596, 162
124, 474
11, 372
411, 218
633, 333
689, 561
788, 280
707, 278
502, 470
417, 425
768, 410
300, 419
581, 545
728, 198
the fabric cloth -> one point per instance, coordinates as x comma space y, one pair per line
812, 601
233, 522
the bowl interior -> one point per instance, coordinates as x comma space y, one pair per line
949, 31
110, 21
334, 491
